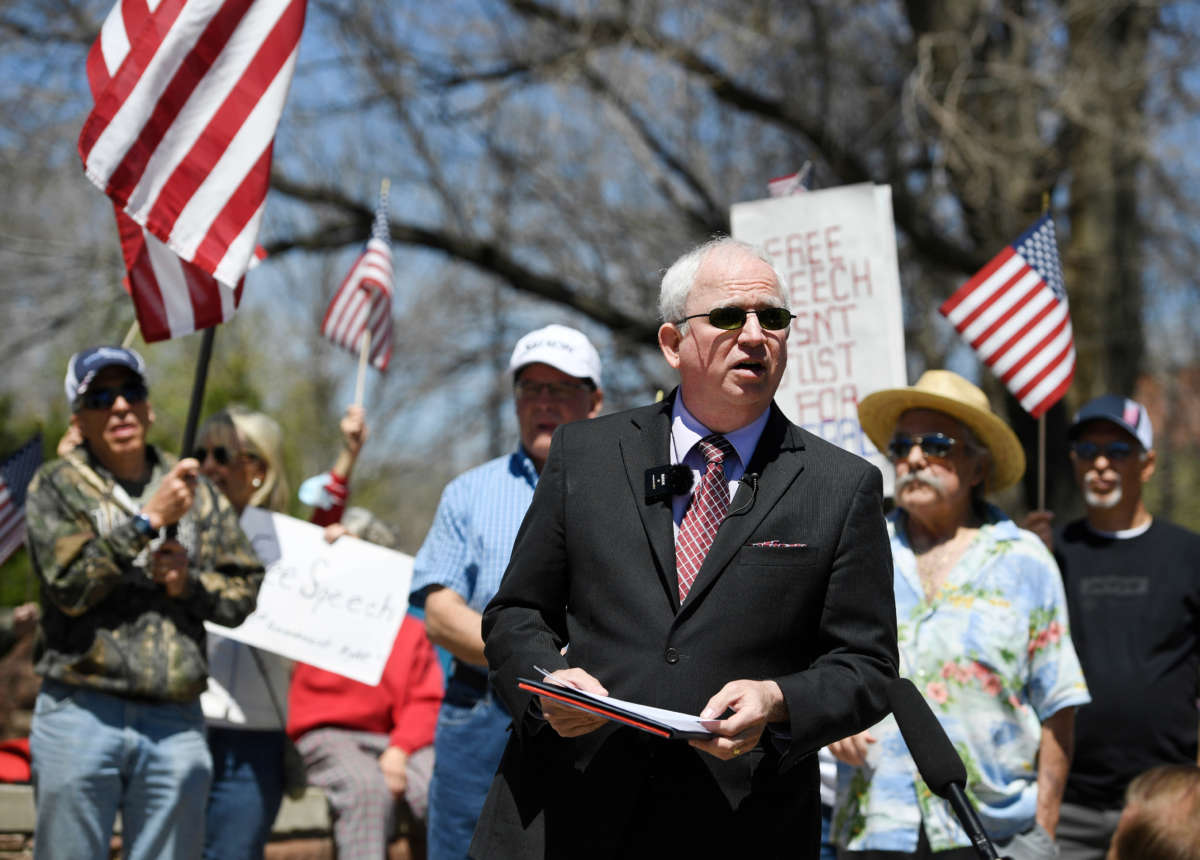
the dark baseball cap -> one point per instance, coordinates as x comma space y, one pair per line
85, 364
1127, 414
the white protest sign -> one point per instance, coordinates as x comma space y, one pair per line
337, 606
836, 250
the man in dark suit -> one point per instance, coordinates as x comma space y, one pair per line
772, 609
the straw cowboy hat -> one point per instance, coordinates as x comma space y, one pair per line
947, 392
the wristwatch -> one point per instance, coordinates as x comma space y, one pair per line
142, 524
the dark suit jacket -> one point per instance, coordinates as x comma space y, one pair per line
594, 566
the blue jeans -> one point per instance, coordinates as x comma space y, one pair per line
472, 732
247, 789
95, 753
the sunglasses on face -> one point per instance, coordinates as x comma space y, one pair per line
1113, 451
731, 318
931, 444
104, 398
222, 455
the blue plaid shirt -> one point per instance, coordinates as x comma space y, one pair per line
469, 544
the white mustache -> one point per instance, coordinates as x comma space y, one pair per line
923, 476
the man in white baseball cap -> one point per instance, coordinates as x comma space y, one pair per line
556, 380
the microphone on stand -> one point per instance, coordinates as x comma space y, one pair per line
937, 760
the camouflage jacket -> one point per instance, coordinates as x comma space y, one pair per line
106, 624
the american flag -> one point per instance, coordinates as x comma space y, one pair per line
187, 98
1014, 314
15, 474
364, 300
793, 183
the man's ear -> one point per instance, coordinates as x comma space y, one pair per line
150, 419
982, 467
1148, 462
597, 403
669, 338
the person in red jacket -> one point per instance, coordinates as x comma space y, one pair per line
368, 747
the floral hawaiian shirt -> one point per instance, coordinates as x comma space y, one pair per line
993, 656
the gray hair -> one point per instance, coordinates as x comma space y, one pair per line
679, 279
364, 525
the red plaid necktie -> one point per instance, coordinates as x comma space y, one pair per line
710, 503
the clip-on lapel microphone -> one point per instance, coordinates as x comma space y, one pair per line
663, 482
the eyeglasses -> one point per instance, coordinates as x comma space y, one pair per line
222, 455
931, 444
104, 398
732, 318
527, 389
1113, 451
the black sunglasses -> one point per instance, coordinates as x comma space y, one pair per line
932, 445
104, 398
219, 453
1113, 451
731, 318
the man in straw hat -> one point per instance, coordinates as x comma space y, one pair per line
983, 633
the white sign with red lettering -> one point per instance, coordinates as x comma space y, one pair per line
836, 251
337, 606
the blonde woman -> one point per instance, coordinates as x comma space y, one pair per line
241, 452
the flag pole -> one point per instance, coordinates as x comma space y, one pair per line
1041, 467
199, 381
363, 352
1041, 484
130, 335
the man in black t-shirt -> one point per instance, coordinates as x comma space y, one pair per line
1133, 589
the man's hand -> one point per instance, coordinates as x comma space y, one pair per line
853, 750
393, 762
354, 429
572, 722
1041, 523
169, 567
333, 531
174, 495
25, 618
754, 704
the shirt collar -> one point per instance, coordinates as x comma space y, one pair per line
686, 431
520, 463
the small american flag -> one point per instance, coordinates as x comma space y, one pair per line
15, 474
793, 183
364, 300
1014, 314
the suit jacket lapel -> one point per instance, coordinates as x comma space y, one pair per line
645, 447
777, 463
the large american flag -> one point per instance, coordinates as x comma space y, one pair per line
1014, 314
187, 98
364, 300
15, 474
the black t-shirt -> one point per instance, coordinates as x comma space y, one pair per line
1135, 621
